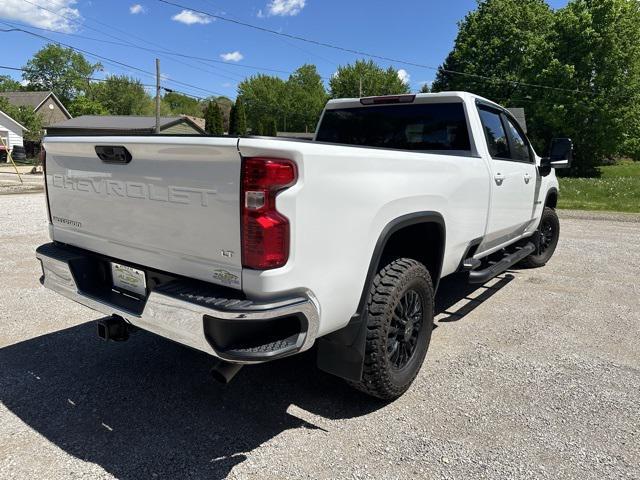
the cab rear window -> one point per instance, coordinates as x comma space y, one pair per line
426, 126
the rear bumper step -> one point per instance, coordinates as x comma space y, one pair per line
204, 316
484, 275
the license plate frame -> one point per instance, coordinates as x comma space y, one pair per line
129, 279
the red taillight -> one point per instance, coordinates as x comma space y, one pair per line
43, 162
265, 231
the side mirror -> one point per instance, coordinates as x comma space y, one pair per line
560, 155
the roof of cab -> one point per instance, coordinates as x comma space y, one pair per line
419, 98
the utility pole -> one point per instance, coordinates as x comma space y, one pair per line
157, 96
360, 87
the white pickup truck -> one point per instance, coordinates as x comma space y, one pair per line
253, 249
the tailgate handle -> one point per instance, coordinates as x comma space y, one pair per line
113, 154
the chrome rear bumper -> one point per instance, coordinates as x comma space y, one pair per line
199, 315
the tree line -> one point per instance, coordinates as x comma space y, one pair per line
575, 71
264, 105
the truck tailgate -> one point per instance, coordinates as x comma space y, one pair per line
173, 207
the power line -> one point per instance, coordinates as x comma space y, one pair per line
308, 52
110, 60
150, 50
160, 53
367, 54
111, 27
515, 100
149, 85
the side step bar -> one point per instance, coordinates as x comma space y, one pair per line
483, 276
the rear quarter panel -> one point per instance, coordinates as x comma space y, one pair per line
344, 198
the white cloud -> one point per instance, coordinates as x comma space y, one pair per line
189, 18
404, 75
136, 8
232, 56
38, 17
284, 7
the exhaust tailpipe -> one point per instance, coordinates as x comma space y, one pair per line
224, 372
113, 328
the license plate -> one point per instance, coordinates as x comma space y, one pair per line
128, 278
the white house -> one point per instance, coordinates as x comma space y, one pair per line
11, 132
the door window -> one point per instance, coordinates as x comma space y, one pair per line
494, 133
519, 146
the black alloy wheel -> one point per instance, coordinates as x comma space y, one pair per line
404, 330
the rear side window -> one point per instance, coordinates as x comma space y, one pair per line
427, 126
494, 133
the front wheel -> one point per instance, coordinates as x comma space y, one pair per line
548, 234
399, 320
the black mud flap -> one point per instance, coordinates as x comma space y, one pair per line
341, 353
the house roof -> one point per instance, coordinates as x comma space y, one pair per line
121, 122
32, 99
2, 114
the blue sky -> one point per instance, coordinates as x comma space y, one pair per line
417, 31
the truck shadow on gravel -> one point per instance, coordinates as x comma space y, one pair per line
147, 408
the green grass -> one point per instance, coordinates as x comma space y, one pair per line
624, 168
618, 190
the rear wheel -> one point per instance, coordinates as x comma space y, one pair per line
399, 323
548, 234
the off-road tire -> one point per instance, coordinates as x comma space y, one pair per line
549, 224
392, 284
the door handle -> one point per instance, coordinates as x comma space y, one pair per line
499, 178
527, 178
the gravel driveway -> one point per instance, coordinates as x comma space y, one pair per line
536, 375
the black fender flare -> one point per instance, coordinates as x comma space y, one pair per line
341, 353
552, 191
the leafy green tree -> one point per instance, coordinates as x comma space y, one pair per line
586, 57
213, 119
271, 128
597, 53
180, 104
122, 95
374, 79
83, 105
506, 40
499, 46
237, 119
265, 98
208, 117
240, 118
306, 97
62, 70
8, 84
232, 121
424, 88
26, 117
295, 105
